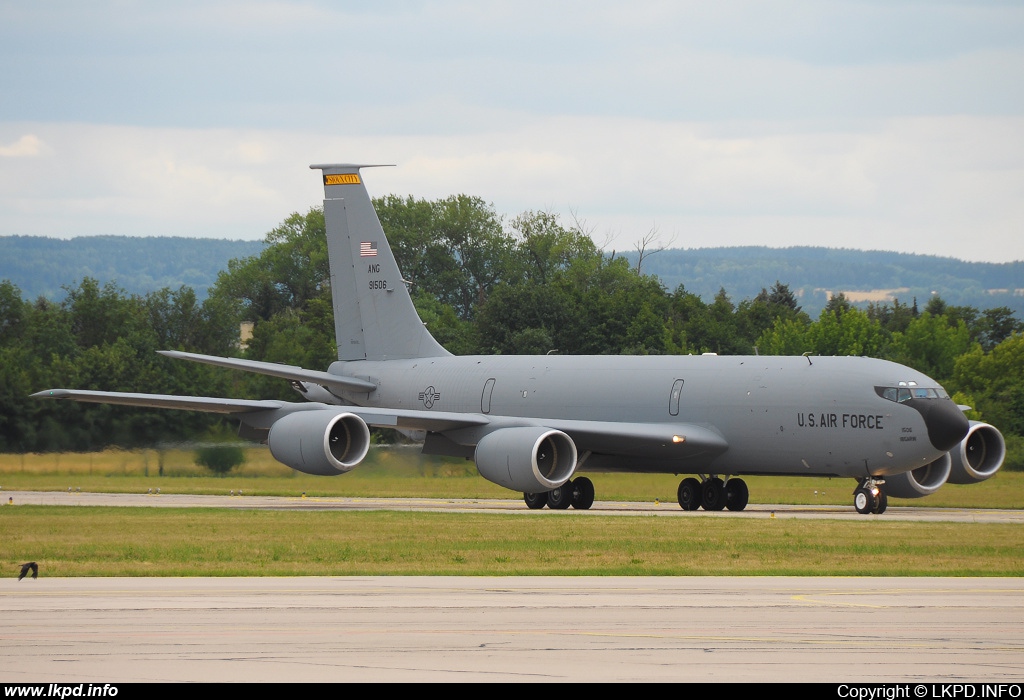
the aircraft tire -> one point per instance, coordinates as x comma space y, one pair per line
560, 498
712, 494
736, 494
582, 493
863, 501
689, 494
535, 501
881, 503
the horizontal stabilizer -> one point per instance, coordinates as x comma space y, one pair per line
290, 372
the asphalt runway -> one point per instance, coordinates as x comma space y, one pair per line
543, 629
502, 505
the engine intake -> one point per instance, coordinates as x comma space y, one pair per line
920, 482
978, 456
527, 459
319, 442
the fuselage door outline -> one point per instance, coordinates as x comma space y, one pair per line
673, 397
485, 397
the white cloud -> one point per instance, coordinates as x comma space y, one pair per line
950, 186
893, 125
27, 146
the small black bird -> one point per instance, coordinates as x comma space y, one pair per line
26, 567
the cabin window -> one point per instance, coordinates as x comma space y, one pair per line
908, 391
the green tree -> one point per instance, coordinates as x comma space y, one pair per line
290, 271
101, 315
719, 332
452, 248
931, 345
12, 313
786, 337
846, 332
996, 325
996, 380
221, 453
893, 317
754, 317
838, 304
686, 312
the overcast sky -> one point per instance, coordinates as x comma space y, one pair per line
874, 125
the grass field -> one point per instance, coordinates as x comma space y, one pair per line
78, 541
403, 472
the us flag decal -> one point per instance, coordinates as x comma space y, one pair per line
367, 249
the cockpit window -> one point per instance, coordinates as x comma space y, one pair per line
909, 390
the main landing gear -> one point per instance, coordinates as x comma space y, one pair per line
869, 497
578, 493
713, 494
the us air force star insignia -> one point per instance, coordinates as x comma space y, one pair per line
428, 396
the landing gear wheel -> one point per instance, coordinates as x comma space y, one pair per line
535, 501
560, 498
712, 494
736, 494
863, 501
881, 503
582, 490
689, 494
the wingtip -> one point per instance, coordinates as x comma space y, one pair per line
50, 394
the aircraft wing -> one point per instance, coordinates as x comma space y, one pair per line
377, 417
185, 403
672, 440
647, 440
628, 439
434, 421
678, 440
273, 369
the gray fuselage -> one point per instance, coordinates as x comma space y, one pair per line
779, 415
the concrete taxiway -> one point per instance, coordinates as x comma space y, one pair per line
501, 505
531, 629
525, 629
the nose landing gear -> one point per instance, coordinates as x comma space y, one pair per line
869, 497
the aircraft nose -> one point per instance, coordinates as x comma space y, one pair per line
947, 425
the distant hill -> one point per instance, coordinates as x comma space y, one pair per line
813, 272
41, 266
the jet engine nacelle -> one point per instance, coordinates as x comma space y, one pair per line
920, 482
319, 442
527, 459
978, 456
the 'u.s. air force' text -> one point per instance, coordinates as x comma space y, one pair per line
857, 421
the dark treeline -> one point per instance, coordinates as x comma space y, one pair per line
529, 285
812, 272
41, 266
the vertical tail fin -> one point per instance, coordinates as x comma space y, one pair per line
374, 318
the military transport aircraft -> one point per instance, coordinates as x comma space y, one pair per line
532, 422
